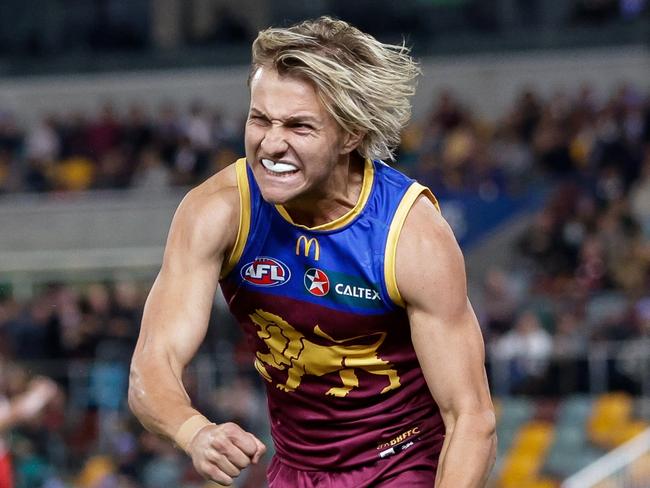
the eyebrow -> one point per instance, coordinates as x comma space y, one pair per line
291, 119
302, 119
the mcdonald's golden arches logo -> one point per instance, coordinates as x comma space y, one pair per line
308, 243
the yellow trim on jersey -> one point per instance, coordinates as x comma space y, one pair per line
244, 217
390, 276
366, 186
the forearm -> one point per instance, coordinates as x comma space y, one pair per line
468, 453
158, 398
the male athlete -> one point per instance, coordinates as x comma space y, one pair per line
346, 279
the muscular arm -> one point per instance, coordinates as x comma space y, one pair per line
449, 345
174, 324
177, 310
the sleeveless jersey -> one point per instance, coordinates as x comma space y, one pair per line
324, 318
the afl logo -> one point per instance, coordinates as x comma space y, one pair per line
317, 282
266, 271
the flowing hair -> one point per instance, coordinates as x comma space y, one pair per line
364, 84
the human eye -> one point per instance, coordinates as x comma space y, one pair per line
258, 119
302, 127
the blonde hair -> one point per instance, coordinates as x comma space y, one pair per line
364, 84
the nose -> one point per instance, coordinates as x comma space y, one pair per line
274, 142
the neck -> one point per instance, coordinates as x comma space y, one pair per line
341, 195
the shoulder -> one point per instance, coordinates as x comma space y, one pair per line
425, 222
217, 192
429, 260
207, 219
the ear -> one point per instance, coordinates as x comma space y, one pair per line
351, 141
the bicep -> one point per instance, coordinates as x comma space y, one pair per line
444, 330
176, 314
178, 307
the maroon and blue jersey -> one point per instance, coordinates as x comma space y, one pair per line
328, 328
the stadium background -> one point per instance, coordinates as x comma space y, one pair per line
531, 124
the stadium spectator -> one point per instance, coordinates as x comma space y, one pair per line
525, 351
570, 346
500, 303
640, 196
105, 132
8, 177
152, 174
137, 130
43, 143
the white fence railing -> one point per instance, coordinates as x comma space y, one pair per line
603, 366
615, 467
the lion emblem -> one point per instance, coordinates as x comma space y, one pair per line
290, 350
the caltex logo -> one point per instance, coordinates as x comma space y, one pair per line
317, 282
265, 271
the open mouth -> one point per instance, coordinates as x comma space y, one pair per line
279, 168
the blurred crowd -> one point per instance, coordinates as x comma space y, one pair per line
567, 134
582, 272
107, 150
578, 274
82, 338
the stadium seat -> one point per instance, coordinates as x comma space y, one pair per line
570, 442
512, 413
518, 470
611, 415
628, 431
544, 483
525, 459
574, 410
96, 469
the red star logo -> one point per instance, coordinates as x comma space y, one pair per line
317, 282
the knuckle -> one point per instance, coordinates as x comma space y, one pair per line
230, 428
242, 462
204, 468
213, 456
219, 443
231, 470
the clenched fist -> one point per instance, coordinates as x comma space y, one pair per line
221, 452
